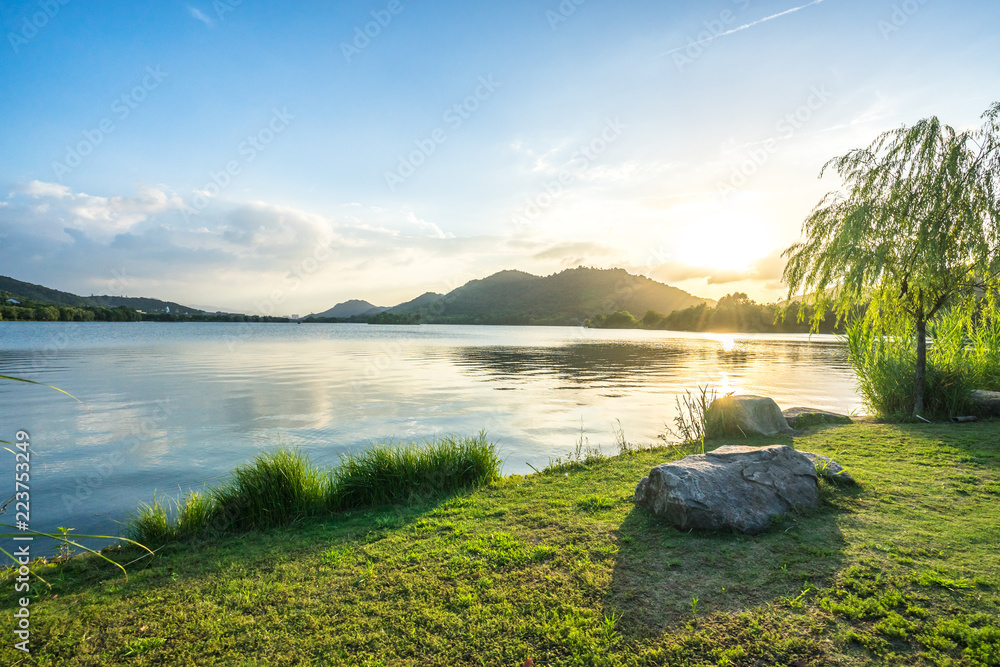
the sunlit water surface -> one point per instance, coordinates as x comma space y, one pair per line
177, 406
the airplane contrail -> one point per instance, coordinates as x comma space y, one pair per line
742, 27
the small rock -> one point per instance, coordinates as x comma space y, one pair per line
829, 469
737, 488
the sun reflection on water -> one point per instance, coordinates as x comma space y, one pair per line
728, 341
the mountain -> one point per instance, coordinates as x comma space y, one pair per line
567, 298
16, 289
414, 306
144, 304
351, 308
42, 294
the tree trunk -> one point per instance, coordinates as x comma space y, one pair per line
920, 379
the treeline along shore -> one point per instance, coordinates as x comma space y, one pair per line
733, 313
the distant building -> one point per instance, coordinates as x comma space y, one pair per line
167, 310
293, 317
14, 301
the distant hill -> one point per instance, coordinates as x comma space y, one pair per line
414, 306
144, 304
351, 308
16, 288
567, 298
42, 294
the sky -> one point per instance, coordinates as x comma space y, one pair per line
279, 158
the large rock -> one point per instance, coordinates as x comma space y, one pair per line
738, 488
803, 417
745, 415
986, 403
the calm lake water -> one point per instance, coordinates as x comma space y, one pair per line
176, 406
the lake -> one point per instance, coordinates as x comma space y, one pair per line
173, 407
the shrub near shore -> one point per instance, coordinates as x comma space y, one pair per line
283, 486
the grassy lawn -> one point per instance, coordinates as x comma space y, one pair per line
561, 567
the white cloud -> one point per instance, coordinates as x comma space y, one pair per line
59, 208
198, 14
41, 189
768, 269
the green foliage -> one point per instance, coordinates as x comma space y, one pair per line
901, 571
396, 473
917, 229
620, 319
962, 356
734, 313
393, 318
28, 310
277, 488
283, 486
690, 425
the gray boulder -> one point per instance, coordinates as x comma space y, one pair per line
829, 469
986, 403
738, 488
803, 417
745, 415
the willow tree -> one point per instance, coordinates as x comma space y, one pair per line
914, 227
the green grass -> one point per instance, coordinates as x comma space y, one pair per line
963, 351
390, 473
563, 568
283, 487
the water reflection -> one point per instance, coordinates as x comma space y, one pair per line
173, 407
635, 364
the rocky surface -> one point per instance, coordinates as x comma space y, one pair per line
731, 488
802, 417
987, 403
745, 415
829, 469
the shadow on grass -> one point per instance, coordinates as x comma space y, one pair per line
665, 578
305, 537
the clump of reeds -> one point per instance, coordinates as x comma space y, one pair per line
884, 357
276, 488
690, 425
390, 473
283, 486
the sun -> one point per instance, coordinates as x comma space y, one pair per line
724, 240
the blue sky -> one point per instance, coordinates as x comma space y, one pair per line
262, 156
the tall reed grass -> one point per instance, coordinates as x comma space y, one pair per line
397, 473
963, 353
284, 486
